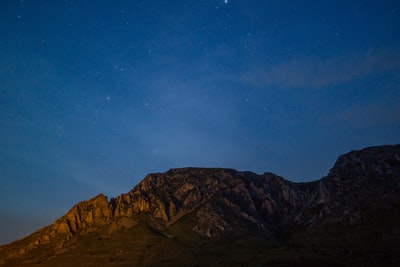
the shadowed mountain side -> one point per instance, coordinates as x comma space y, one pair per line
223, 217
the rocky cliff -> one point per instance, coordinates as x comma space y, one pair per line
225, 203
360, 181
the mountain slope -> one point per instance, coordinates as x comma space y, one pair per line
359, 181
223, 217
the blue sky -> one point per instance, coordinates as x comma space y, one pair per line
96, 94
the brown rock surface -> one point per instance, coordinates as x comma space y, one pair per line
224, 203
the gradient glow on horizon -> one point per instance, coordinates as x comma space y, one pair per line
96, 94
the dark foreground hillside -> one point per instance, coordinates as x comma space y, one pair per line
222, 217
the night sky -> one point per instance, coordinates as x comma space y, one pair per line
94, 95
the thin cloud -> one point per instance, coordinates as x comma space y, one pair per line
364, 116
317, 72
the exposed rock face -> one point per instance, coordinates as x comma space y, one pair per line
359, 181
225, 202
84, 215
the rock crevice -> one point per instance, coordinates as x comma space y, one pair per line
228, 202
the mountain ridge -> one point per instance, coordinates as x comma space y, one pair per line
221, 204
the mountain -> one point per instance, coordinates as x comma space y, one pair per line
223, 217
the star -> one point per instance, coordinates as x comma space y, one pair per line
185, 90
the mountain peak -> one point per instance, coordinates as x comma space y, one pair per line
219, 204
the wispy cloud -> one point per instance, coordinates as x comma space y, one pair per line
319, 72
363, 116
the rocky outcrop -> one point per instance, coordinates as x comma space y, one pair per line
216, 196
225, 202
85, 214
360, 181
